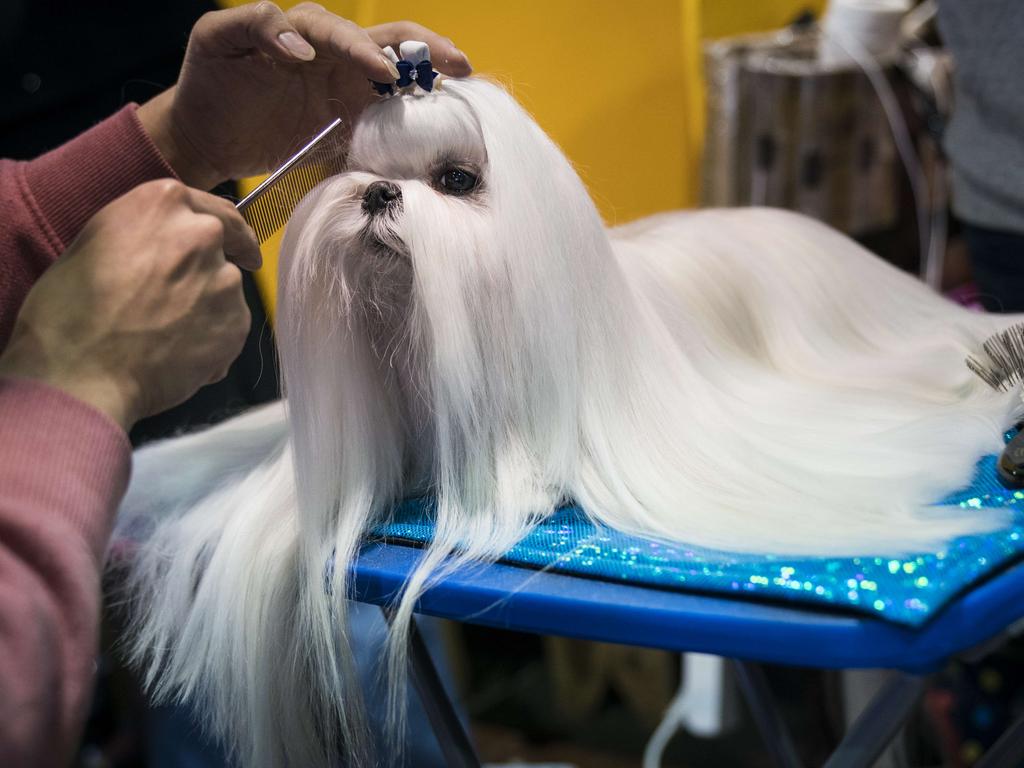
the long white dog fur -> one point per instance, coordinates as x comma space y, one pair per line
740, 379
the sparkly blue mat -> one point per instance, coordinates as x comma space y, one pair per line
907, 591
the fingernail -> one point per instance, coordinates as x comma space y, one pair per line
464, 57
391, 66
296, 46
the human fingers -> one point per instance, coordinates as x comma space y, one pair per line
342, 40
261, 26
444, 55
240, 244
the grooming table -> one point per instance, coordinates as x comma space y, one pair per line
909, 615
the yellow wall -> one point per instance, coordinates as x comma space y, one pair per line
721, 18
616, 84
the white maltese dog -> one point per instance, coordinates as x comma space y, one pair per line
455, 320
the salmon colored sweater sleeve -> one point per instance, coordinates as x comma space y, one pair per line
63, 465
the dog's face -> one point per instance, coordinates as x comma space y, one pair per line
417, 170
459, 241
432, 142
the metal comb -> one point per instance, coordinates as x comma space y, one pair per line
268, 207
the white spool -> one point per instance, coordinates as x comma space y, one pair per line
872, 25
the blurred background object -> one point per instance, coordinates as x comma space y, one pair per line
837, 128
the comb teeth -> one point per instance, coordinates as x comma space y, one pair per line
1004, 363
268, 207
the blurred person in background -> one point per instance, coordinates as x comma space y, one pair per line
985, 142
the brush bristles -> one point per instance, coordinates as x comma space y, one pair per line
1004, 366
271, 209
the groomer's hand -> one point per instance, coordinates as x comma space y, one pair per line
143, 308
258, 82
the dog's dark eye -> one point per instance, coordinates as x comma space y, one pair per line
457, 181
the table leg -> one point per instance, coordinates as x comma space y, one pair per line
879, 723
765, 712
455, 743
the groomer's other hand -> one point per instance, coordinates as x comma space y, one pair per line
143, 308
258, 82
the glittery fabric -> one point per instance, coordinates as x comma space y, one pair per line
906, 591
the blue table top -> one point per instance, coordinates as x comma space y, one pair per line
907, 613
511, 597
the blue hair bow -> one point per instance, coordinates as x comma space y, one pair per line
413, 67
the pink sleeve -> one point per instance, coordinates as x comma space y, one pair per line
63, 465
45, 202
63, 469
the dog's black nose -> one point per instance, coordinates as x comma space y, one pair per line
380, 195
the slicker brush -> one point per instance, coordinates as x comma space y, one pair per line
1001, 366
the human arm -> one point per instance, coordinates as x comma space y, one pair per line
141, 310
70, 378
45, 202
63, 468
